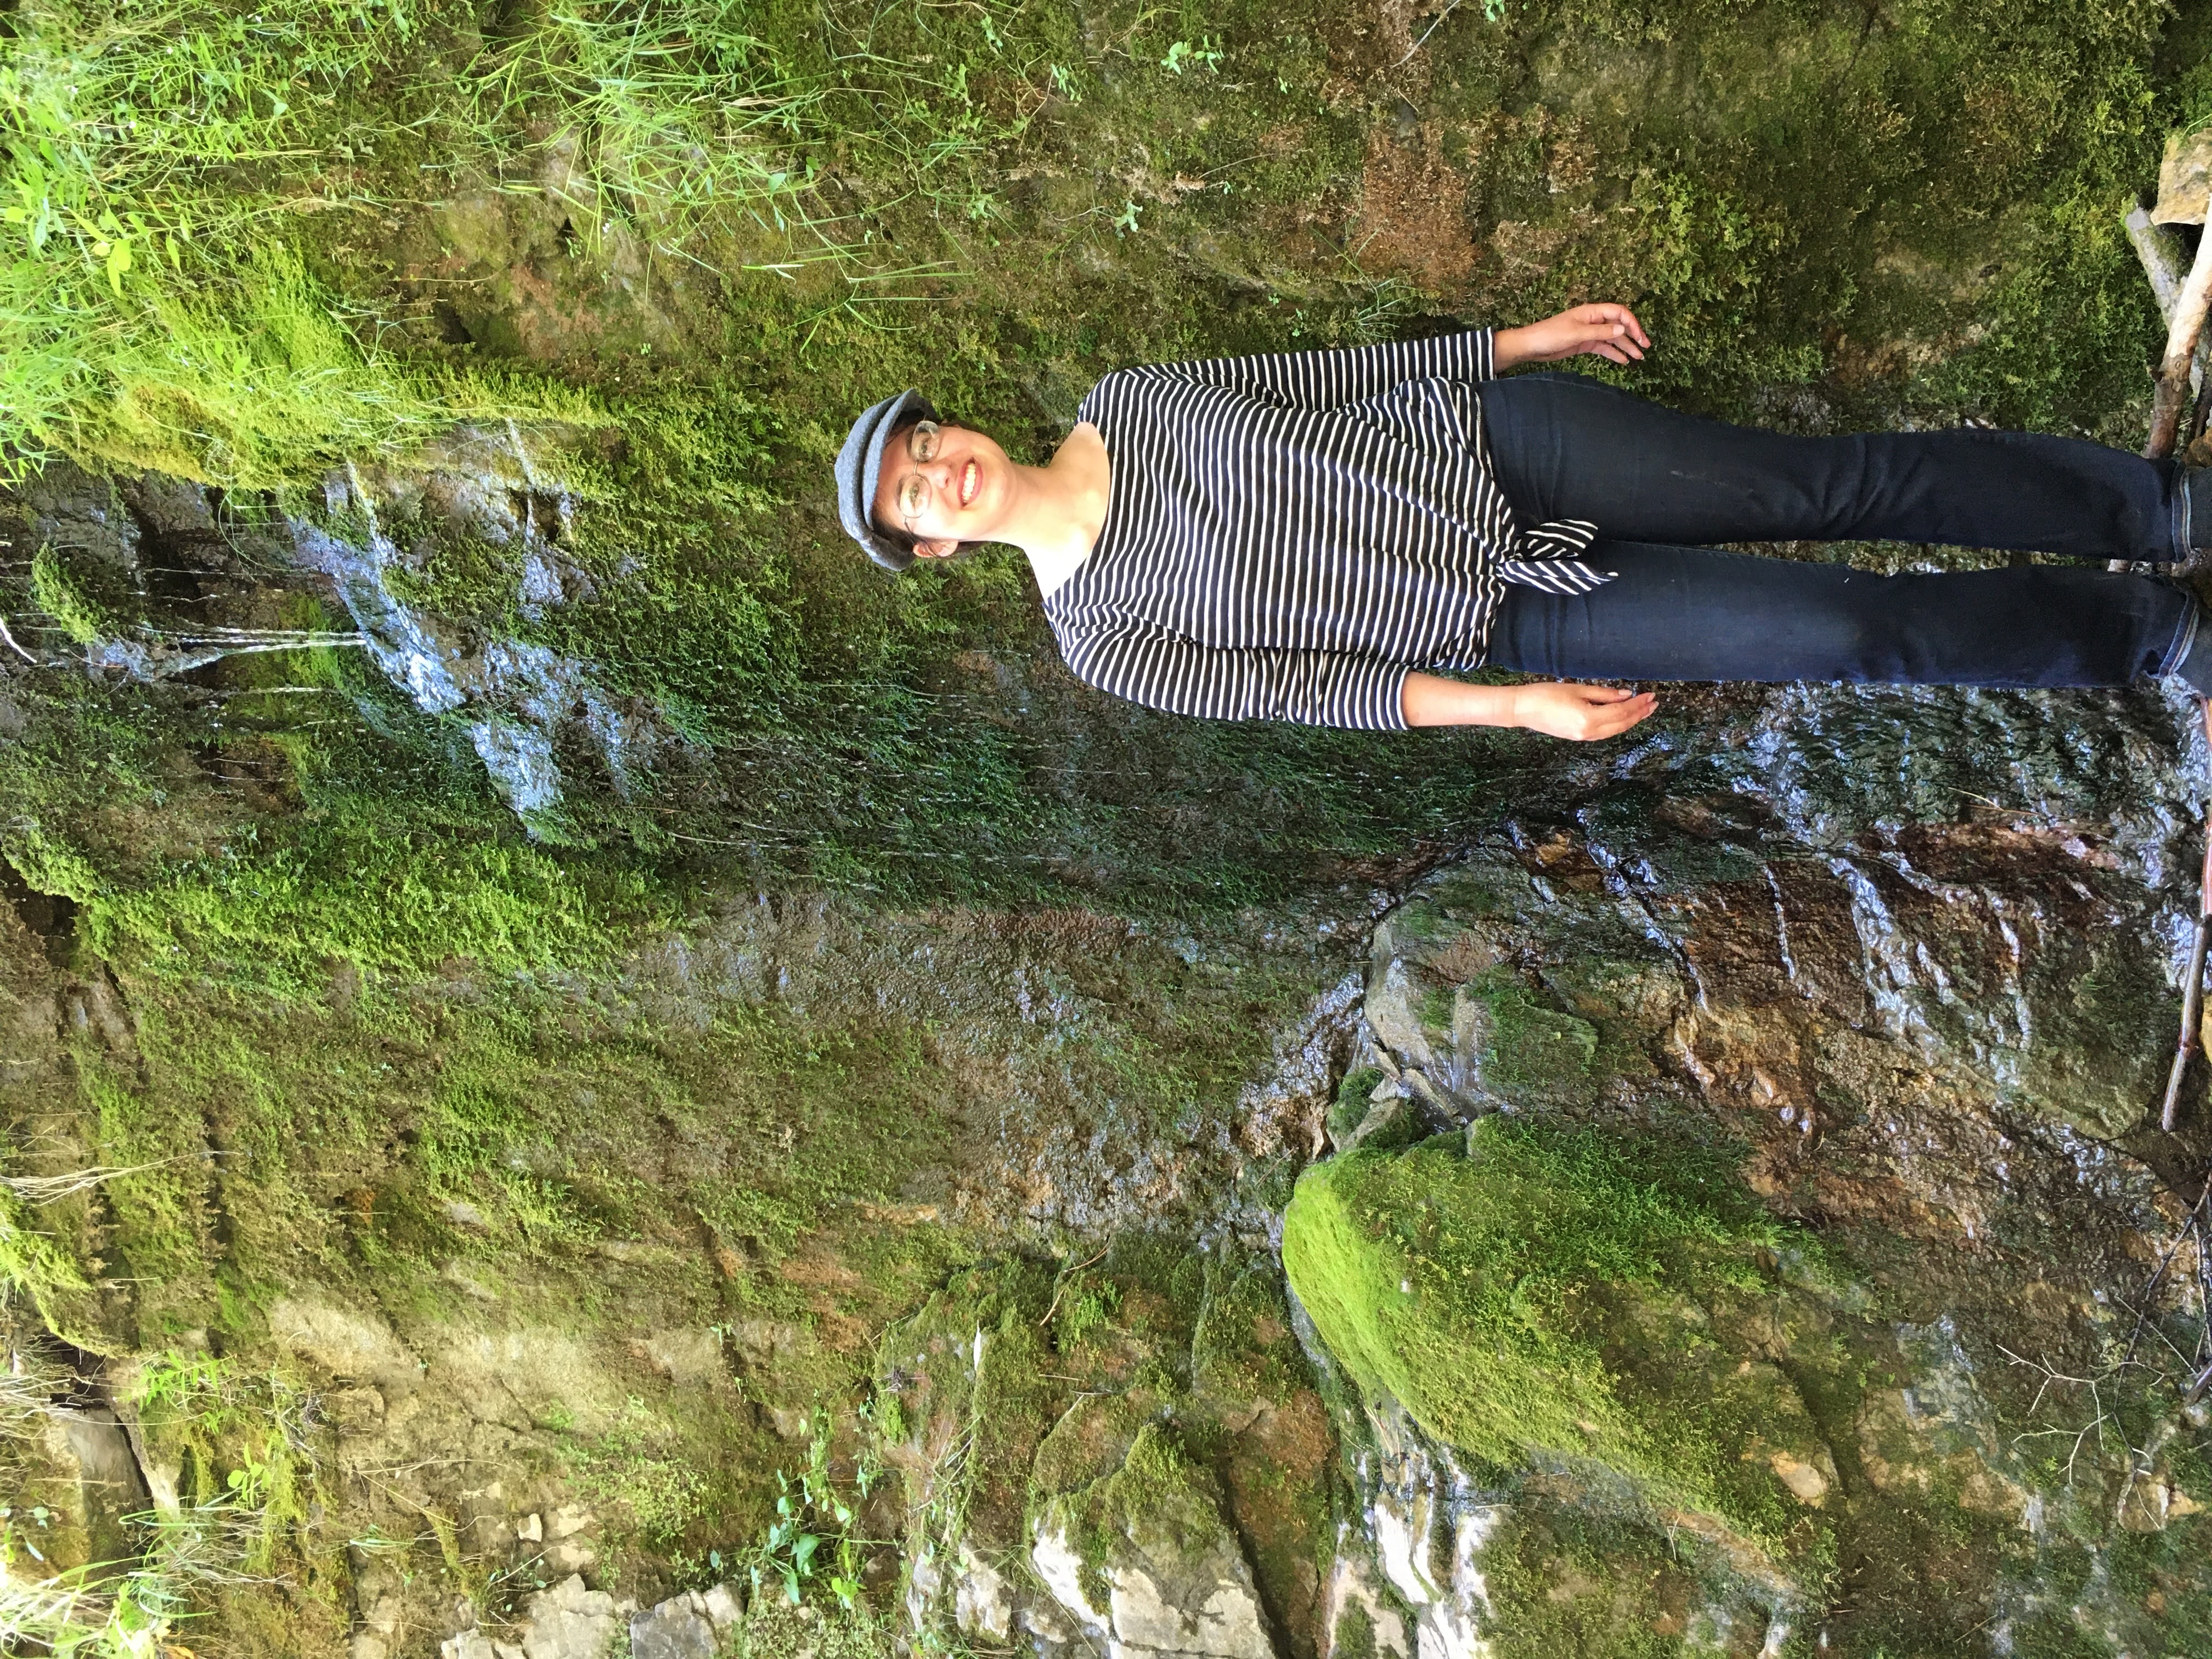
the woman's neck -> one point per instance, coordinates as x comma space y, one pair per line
1061, 508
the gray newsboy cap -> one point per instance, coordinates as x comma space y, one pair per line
860, 468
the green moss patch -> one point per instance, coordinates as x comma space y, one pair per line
1543, 1295
1527, 1045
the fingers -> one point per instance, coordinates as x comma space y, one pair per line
1582, 713
1608, 313
1610, 332
1608, 711
1616, 344
1612, 721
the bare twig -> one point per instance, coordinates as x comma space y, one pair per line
2188, 323
1435, 24
1061, 1289
2189, 1224
2160, 254
2097, 1421
2185, 325
17, 649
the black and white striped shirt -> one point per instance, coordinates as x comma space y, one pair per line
1289, 536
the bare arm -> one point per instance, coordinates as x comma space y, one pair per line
1581, 713
1609, 331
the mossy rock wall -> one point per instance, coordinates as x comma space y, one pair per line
1705, 1239
1537, 1300
672, 1044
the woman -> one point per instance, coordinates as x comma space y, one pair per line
1324, 536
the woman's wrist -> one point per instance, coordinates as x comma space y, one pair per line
1557, 709
1610, 332
1432, 700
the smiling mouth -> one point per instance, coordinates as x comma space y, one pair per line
970, 477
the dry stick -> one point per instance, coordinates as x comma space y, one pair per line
2196, 1391
2189, 308
2183, 329
1064, 1278
2193, 992
2156, 248
2150, 1290
2199, 1388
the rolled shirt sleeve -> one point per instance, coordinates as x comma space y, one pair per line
1180, 675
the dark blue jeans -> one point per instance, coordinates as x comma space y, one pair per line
1657, 482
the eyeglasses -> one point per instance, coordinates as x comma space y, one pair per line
914, 489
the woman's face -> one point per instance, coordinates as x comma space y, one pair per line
961, 496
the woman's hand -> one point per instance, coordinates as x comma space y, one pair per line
1581, 713
1609, 331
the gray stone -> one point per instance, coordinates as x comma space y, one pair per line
1165, 1598
692, 1625
674, 1629
569, 1621
571, 1555
2184, 180
469, 1645
982, 1603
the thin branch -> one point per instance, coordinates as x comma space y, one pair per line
1061, 1289
1437, 23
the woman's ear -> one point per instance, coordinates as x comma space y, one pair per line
935, 549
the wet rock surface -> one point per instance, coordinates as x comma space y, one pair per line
523, 702
692, 1625
1887, 974
1909, 1047
184, 578
1936, 1045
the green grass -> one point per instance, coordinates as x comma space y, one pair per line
154, 314
164, 161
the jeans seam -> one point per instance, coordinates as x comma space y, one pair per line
2184, 637
2181, 514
